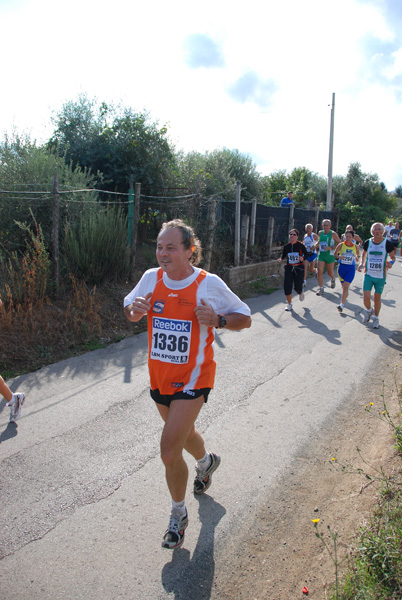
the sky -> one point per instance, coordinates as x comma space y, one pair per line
256, 76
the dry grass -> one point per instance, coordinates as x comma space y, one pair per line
44, 332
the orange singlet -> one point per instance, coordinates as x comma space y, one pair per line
181, 354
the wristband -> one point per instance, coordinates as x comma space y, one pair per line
392, 262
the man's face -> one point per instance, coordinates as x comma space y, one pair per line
172, 256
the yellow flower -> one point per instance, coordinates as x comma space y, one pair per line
371, 403
333, 459
315, 520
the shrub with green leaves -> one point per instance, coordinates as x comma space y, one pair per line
96, 250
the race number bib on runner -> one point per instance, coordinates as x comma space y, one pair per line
171, 340
375, 266
348, 259
293, 257
323, 246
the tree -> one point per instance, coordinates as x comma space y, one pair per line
307, 187
115, 142
217, 172
274, 187
398, 191
26, 172
362, 200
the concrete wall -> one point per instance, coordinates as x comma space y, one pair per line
237, 275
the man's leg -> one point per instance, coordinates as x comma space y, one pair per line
377, 304
321, 265
367, 299
179, 433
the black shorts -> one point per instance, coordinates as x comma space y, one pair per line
166, 399
294, 278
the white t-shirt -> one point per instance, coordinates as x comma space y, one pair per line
218, 295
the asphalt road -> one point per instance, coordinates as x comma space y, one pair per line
83, 495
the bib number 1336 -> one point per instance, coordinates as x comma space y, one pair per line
171, 339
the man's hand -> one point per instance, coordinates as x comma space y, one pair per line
206, 315
137, 309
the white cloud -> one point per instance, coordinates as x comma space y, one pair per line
258, 79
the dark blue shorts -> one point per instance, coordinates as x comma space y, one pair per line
346, 272
166, 399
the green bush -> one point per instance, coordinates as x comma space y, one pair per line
96, 250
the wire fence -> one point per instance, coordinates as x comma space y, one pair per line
18, 204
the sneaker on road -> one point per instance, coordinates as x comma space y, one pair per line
288, 307
340, 308
15, 407
376, 322
367, 315
203, 479
332, 283
301, 297
320, 292
174, 535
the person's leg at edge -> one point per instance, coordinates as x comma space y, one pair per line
180, 433
5, 390
14, 401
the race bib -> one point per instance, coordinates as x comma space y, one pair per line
323, 246
171, 339
375, 266
395, 237
293, 258
347, 259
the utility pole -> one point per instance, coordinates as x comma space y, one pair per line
329, 205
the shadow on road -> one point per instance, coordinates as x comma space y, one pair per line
10, 432
307, 320
192, 578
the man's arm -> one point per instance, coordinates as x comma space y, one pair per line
208, 317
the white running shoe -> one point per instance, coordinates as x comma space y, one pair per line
301, 297
340, 308
15, 407
332, 283
203, 479
376, 322
367, 315
174, 534
320, 292
288, 307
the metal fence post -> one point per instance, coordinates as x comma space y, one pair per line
130, 215
55, 232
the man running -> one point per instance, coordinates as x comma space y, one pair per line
310, 240
375, 263
184, 305
326, 246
